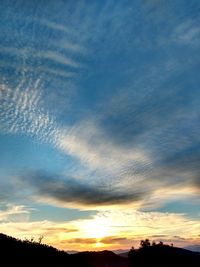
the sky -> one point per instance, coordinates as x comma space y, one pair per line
100, 122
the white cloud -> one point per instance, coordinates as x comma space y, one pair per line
109, 224
58, 58
70, 46
47, 54
53, 232
187, 32
137, 225
115, 167
12, 212
55, 26
87, 142
103, 161
21, 111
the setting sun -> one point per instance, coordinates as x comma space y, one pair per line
98, 244
99, 130
96, 229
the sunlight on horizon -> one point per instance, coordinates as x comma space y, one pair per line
95, 229
100, 122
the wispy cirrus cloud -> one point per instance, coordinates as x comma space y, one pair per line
31, 53
54, 26
187, 33
58, 58
11, 212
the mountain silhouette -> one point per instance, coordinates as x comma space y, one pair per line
195, 248
14, 252
160, 255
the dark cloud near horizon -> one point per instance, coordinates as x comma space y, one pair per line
82, 241
179, 237
104, 240
67, 190
113, 239
159, 236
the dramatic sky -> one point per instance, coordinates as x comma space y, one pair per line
100, 122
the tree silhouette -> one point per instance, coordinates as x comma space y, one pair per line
145, 243
161, 255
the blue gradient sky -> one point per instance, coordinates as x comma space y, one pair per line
99, 113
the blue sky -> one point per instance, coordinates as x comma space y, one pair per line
99, 113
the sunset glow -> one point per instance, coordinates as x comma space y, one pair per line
100, 122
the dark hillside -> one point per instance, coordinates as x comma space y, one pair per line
101, 259
160, 255
14, 252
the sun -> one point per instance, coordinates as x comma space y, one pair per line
96, 229
98, 244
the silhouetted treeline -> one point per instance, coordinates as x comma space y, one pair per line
162, 255
14, 252
28, 253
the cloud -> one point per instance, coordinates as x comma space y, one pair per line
136, 224
86, 241
116, 165
55, 26
58, 58
40, 70
21, 112
187, 32
15, 221
68, 190
131, 129
141, 136
158, 236
113, 240
11, 212
42, 57
87, 142
52, 232
69, 46
132, 226
178, 237
109, 240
